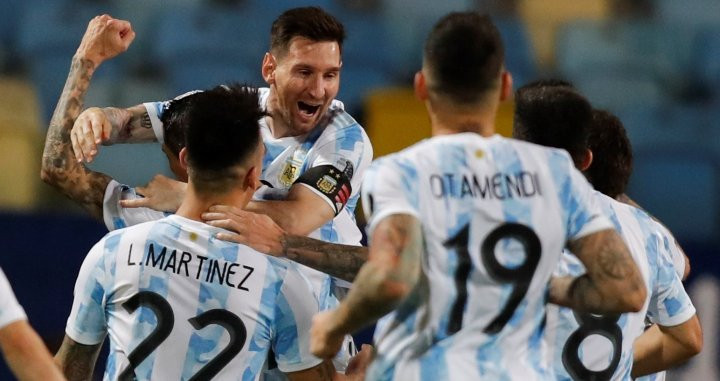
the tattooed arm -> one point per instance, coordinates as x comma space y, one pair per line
77, 361
392, 270
109, 125
340, 261
105, 38
261, 233
612, 282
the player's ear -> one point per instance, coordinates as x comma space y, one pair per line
252, 179
420, 85
587, 160
268, 68
183, 158
506, 83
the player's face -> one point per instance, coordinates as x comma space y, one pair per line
306, 80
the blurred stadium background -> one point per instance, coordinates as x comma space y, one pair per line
655, 63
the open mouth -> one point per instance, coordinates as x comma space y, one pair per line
307, 110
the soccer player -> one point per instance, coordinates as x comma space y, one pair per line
466, 228
23, 349
316, 153
178, 303
558, 116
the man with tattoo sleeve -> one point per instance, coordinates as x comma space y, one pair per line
466, 228
600, 347
94, 191
176, 302
105, 38
316, 152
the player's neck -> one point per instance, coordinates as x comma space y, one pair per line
447, 123
450, 119
194, 204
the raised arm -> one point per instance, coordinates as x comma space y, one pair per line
392, 270
612, 282
105, 38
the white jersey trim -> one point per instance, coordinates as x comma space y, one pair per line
386, 212
677, 319
155, 121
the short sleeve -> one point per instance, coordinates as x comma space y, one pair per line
295, 307
87, 324
348, 149
10, 309
390, 187
117, 217
584, 212
670, 304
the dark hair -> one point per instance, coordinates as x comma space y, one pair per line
612, 154
175, 122
464, 56
310, 22
553, 116
222, 132
548, 82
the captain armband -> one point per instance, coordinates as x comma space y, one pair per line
329, 182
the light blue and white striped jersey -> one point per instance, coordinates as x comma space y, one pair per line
496, 214
585, 346
10, 310
178, 303
337, 140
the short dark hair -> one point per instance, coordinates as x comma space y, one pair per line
223, 131
549, 82
175, 122
553, 116
464, 56
612, 154
310, 22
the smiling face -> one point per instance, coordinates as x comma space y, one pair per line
303, 81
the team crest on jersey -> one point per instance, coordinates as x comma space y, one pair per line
326, 184
289, 173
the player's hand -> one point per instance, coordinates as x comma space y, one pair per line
323, 342
357, 367
161, 193
252, 229
105, 38
91, 128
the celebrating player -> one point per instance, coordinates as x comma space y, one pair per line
558, 116
23, 349
316, 153
178, 303
466, 229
